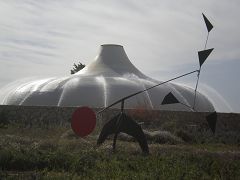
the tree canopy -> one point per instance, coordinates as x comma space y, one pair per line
77, 67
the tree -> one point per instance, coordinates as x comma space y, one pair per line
77, 67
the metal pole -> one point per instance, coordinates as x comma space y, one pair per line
198, 76
195, 91
122, 106
187, 106
206, 41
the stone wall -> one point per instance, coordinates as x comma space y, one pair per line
50, 116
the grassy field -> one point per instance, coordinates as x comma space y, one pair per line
37, 153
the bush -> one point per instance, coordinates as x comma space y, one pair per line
162, 137
185, 136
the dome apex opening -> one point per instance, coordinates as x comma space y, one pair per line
108, 45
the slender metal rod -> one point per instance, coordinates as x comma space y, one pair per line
122, 106
198, 76
195, 90
134, 94
118, 124
206, 41
187, 106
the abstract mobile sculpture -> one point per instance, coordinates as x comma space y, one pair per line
202, 55
84, 119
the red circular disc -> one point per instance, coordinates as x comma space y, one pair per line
83, 121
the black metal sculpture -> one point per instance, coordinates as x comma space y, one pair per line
202, 56
124, 123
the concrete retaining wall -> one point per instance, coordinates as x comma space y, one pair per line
47, 116
191, 126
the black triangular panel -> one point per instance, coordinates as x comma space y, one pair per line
203, 55
124, 123
170, 99
212, 120
207, 22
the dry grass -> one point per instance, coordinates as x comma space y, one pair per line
57, 153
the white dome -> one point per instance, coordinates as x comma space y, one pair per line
110, 77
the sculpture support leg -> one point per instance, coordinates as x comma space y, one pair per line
117, 130
114, 141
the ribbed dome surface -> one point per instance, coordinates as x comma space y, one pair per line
108, 78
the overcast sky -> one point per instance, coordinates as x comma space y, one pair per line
44, 38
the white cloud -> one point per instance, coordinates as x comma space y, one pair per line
47, 37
